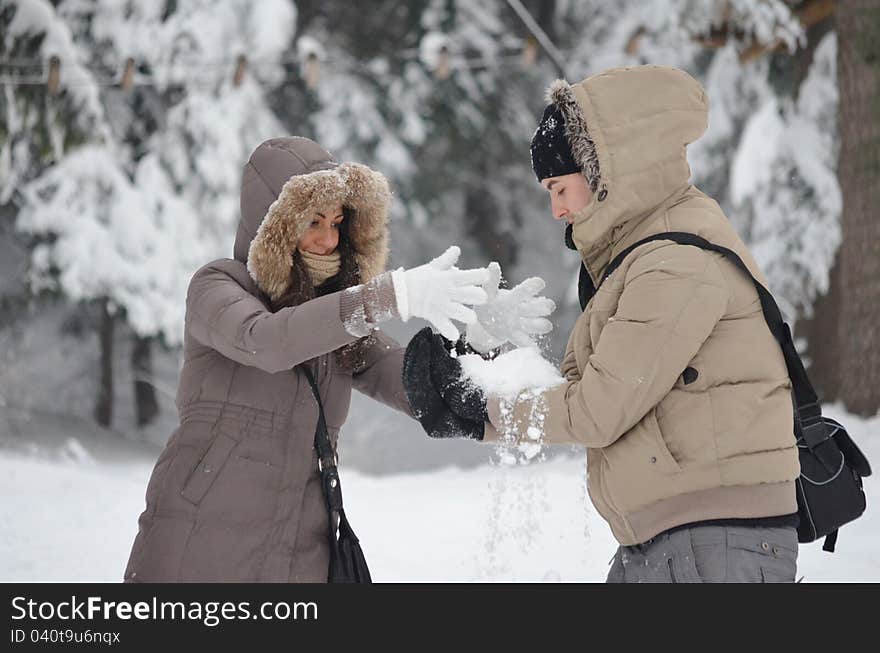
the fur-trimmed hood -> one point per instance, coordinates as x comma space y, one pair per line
628, 129
284, 182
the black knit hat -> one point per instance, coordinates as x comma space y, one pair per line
551, 152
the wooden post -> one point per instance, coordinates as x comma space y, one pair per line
127, 81
240, 70
312, 71
632, 45
145, 402
104, 400
441, 67
53, 81
530, 51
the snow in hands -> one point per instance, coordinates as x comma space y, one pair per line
438, 291
521, 374
514, 315
512, 373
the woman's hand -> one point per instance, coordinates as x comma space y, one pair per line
438, 291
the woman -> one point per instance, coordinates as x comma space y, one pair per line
236, 493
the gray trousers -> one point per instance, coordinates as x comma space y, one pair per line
710, 554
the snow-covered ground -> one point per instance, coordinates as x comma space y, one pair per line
70, 517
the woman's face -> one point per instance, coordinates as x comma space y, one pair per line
322, 236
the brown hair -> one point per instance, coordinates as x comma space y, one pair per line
300, 289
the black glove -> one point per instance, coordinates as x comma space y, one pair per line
427, 403
463, 398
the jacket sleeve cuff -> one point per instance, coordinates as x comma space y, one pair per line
491, 432
401, 300
367, 305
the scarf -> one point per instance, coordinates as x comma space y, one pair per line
321, 267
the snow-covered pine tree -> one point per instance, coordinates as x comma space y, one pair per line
128, 218
50, 106
769, 154
436, 95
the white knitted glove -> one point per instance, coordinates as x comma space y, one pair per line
438, 291
514, 315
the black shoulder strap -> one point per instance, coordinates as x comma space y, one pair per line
586, 289
326, 456
808, 409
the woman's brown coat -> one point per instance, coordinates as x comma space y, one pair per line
236, 493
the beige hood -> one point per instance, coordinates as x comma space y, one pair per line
628, 129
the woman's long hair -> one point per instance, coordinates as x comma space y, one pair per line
300, 289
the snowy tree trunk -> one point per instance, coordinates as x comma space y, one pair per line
146, 404
821, 327
858, 330
821, 331
104, 402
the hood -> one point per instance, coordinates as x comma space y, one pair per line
628, 129
284, 182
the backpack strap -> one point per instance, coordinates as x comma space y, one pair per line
808, 414
830, 541
586, 289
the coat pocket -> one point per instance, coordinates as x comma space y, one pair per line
637, 462
663, 458
202, 477
641, 449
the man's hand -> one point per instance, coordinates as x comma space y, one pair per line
514, 315
427, 403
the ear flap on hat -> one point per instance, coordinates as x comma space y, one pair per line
577, 134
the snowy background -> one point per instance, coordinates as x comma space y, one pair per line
115, 187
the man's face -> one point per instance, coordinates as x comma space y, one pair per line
568, 195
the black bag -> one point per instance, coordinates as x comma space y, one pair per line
829, 489
347, 562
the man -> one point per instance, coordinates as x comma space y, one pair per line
673, 382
